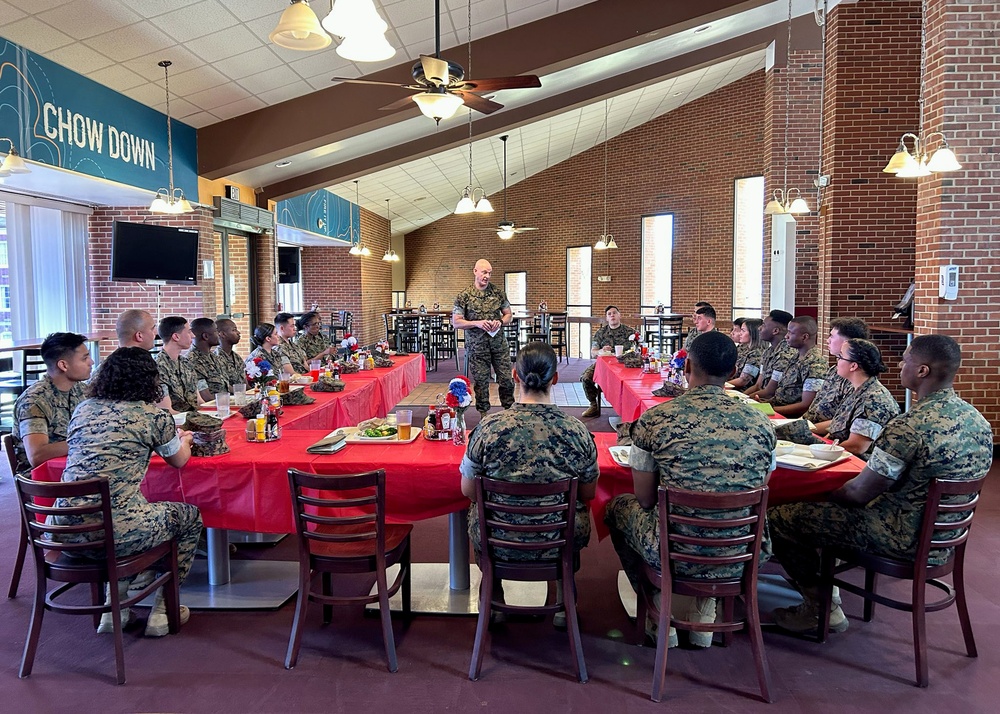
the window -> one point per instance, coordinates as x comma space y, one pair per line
579, 272
748, 247
398, 299
657, 262
3, 251
515, 285
5, 298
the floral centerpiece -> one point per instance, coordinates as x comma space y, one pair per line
261, 376
349, 343
676, 375
459, 398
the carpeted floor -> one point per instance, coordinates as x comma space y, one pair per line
232, 661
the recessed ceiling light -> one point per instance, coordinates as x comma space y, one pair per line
703, 28
282, 164
677, 94
419, 198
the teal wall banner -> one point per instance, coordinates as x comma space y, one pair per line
58, 117
320, 212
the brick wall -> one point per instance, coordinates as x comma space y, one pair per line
868, 222
108, 299
683, 163
337, 280
793, 92
957, 213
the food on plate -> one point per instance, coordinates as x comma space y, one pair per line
379, 432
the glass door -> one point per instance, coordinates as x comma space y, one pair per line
233, 283
579, 271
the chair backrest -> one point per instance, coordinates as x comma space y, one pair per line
348, 321
332, 508
539, 527
714, 529
8, 447
951, 504
33, 367
45, 534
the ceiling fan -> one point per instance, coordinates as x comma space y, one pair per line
505, 228
442, 87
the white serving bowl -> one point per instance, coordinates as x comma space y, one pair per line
826, 452
784, 447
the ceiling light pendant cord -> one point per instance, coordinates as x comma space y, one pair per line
821, 181
352, 213
170, 138
923, 67
788, 88
504, 140
605, 236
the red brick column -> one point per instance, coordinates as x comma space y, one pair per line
868, 222
958, 213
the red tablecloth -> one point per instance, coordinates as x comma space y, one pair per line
627, 389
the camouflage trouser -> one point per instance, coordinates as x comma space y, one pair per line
161, 522
635, 533
590, 388
798, 530
493, 353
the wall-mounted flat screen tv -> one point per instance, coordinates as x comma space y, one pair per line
146, 252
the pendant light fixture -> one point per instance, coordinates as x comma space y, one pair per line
606, 241
170, 200
299, 29
13, 163
362, 29
922, 163
468, 202
782, 201
355, 245
390, 255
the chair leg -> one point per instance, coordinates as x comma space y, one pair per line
958, 580
757, 647
575, 643
301, 605
662, 639
920, 630
386, 613
641, 611
34, 627
728, 608
871, 582
485, 606
22, 549
172, 593
827, 565
116, 619
96, 598
407, 586
327, 590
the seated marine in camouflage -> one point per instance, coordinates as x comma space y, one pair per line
207, 365
703, 440
792, 390
609, 336
880, 510
112, 435
285, 324
533, 441
311, 340
230, 361
179, 381
835, 388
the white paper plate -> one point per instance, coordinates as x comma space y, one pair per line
620, 454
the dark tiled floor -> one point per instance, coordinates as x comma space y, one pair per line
232, 662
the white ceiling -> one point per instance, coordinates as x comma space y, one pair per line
426, 190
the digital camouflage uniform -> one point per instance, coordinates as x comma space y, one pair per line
692, 333
805, 373
531, 443
483, 351
828, 399
295, 354
604, 337
208, 368
231, 365
179, 382
42, 409
940, 437
275, 357
775, 359
114, 440
748, 361
312, 345
701, 441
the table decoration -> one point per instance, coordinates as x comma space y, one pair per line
459, 398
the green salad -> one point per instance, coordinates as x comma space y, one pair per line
379, 432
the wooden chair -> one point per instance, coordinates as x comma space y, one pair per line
22, 541
946, 524
429, 325
444, 343
557, 334
32, 368
557, 533
512, 333
408, 333
717, 533
340, 523
390, 328
71, 564
672, 335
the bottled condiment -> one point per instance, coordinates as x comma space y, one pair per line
445, 422
370, 361
430, 423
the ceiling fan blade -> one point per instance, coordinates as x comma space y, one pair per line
403, 103
524, 81
435, 70
381, 84
480, 104
523, 230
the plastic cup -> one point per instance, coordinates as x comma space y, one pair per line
619, 350
404, 418
240, 394
222, 404
284, 382
314, 367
